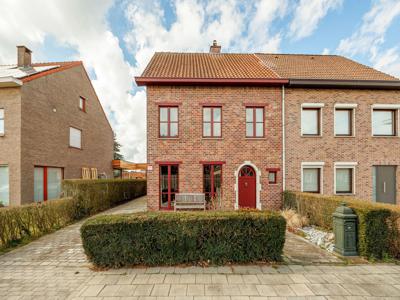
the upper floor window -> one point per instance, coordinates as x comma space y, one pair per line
212, 121
254, 122
384, 122
75, 137
311, 121
168, 121
344, 122
82, 104
1, 121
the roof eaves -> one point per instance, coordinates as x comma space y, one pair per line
51, 71
338, 83
10, 82
142, 81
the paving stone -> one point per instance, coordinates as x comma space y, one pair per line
236, 278
92, 290
195, 290
143, 290
172, 278
283, 290
301, 289
178, 290
187, 278
219, 278
266, 290
160, 290
248, 290
109, 290
203, 278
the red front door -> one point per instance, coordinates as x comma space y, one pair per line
247, 187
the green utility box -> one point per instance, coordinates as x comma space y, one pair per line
345, 229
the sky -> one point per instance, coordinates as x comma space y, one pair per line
116, 39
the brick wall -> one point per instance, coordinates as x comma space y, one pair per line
45, 132
363, 148
233, 148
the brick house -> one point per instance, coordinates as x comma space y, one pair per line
52, 126
243, 127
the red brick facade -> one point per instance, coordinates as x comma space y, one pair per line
363, 149
233, 148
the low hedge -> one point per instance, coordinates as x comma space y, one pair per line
378, 224
161, 238
83, 198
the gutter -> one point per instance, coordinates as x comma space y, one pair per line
359, 84
10, 82
283, 141
141, 81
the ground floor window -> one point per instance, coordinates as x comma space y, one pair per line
169, 185
311, 180
344, 181
47, 183
212, 181
4, 186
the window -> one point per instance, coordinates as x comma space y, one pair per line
384, 122
47, 183
311, 177
272, 177
212, 181
168, 121
169, 185
344, 181
212, 121
1, 121
344, 122
254, 121
82, 104
75, 137
311, 121
4, 186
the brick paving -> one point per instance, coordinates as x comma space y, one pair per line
54, 267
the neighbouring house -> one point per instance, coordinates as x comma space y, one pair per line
244, 127
52, 126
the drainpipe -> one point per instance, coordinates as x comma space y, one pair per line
283, 141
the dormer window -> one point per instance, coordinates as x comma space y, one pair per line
82, 104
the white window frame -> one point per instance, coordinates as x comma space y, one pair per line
345, 165
80, 142
396, 108
3, 120
349, 106
312, 105
314, 165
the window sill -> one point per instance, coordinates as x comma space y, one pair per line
344, 136
212, 138
76, 148
344, 194
311, 136
2, 134
385, 136
255, 138
169, 138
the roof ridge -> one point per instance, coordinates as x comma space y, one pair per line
297, 54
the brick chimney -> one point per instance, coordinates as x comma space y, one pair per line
215, 48
24, 57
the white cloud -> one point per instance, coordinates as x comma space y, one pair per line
308, 14
371, 34
326, 51
71, 24
389, 61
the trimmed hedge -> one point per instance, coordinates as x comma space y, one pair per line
162, 238
98, 195
378, 224
85, 197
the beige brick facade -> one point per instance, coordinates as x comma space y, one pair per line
37, 120
234, 149
363, 148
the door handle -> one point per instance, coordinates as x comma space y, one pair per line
384, 186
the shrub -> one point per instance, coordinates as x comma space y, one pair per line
85, 198
160, 238
294, 220
378, 224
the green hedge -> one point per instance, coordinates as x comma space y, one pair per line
161, 238
378, 224
84, 198
98, 195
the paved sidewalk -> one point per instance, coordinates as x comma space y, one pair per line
55, 267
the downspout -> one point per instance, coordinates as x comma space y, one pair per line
283, 141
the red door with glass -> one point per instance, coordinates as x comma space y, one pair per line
247, 187
169, 185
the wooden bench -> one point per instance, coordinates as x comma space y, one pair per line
190, 201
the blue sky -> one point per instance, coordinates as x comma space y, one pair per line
116, 39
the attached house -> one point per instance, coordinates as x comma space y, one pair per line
244, 127
52, 126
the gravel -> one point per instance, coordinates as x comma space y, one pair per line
318, 237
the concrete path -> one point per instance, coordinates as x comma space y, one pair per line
55, 267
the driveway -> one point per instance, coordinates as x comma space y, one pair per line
55, 267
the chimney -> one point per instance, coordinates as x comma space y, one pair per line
24, 57
215, 48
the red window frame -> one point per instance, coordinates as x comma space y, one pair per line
168, 122
254, 122
212, 165
45, 196
212, 121
169, 193
83, 108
